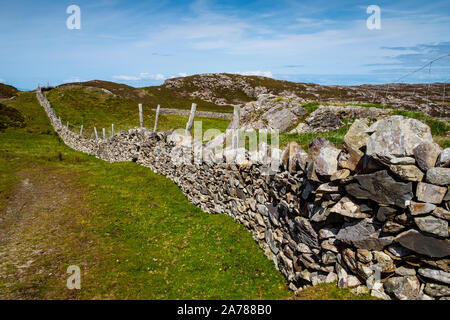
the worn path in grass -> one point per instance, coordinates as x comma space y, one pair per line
132, 232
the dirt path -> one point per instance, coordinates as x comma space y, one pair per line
40, 222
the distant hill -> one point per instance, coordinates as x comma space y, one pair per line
7, 91
220, 92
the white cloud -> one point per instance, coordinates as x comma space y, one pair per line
267, 74
141, 76
2, 80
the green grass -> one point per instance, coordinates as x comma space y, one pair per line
7, 91
87, 107
148, 241
133, 232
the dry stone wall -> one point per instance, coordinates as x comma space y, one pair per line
372, 216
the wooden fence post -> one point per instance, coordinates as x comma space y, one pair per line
67, 125
96, 135
156, 118
191, 119
81, 130
235, 127
141, 118
104, 133
112, 129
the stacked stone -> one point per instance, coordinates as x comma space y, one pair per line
373, 216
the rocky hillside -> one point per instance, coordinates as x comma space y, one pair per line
7, 91
220, 92
232, 89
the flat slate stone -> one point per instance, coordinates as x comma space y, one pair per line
364, 235
382, 188
420, 243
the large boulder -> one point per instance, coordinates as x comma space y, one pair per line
281, 119
382, 188
395, 137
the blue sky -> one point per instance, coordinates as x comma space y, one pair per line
144, 42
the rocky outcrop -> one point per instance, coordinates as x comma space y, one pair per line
364, 226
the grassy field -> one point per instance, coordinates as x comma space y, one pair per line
132, 232
93, 107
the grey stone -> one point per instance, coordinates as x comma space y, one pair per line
437, 275
326, 161
433, 225
384, 262
426, 155
398, 251
420, 243
403, 288
262, 209
441, 213
439, 176
397, 136
281, 119
407, 172
340, 175
356, 136
444, 158
437, 290
306, 234
326, 233
430, 193
385, 213
392, 227
363, 235
269, 240
363, 255
316, 146
382, 188
348, 208
417, 208
405, 271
